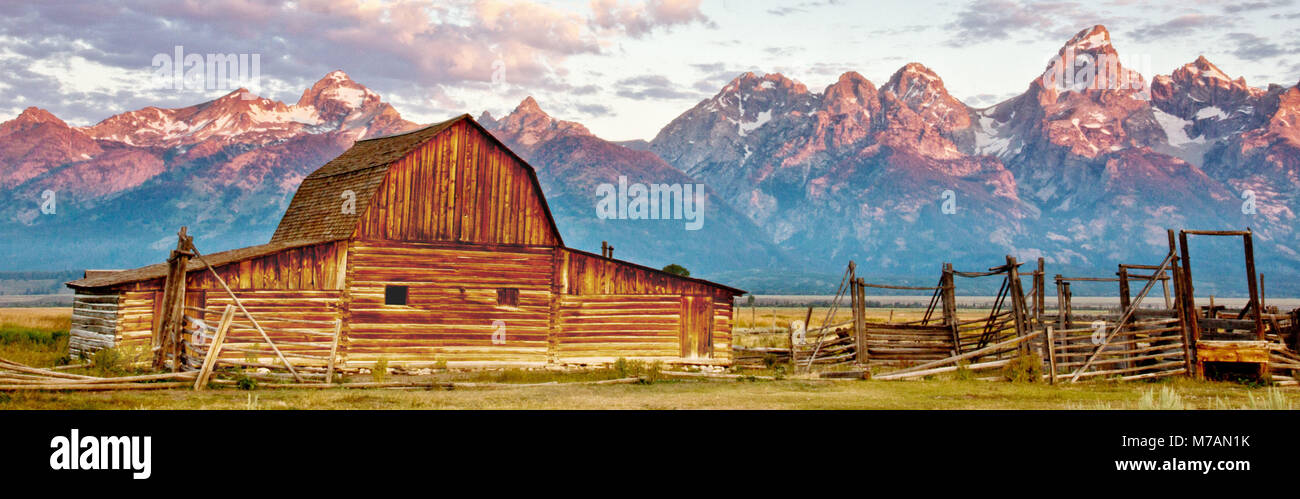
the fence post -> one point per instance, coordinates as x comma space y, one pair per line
1017, 300
1040, 294
1125, 302
167, 329
1180, 287
950, 306
1051, 356
860, 320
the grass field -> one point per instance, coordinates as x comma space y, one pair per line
38, 337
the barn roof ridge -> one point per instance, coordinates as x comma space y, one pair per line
418, 130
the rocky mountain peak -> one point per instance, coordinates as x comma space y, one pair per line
528, 124
34, 115
751, 82
1200, 102
852, 92
336, 97
921, 92
1093, 40
487, 120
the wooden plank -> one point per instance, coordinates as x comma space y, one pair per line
214, 351
334, 351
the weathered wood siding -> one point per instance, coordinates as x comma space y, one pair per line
587, 274
459, 186
94, 322
300, 322
136, 312
452, 303
722, 315
290, 276
611, 309
602, 328
315, 267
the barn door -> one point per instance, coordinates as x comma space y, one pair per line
697, 327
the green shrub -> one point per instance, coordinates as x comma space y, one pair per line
963, 373
1024, 368
244, 382
107, 361
380, 372
649, 373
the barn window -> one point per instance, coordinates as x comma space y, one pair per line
395, 295
508, 297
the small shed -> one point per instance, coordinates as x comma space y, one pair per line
432, 247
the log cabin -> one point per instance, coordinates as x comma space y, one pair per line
431, 247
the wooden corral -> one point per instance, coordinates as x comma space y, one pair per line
1147, 337
429, 248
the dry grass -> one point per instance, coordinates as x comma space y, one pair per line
786, 394
52, 319
35, 336
944, 392
770, 326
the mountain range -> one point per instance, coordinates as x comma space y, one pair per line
797, 182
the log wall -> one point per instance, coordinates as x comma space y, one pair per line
602, 328
94, 322
610, 309
301, 323
587, 274
452, 310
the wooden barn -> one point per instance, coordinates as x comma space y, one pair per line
433, 247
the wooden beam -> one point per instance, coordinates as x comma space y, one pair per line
1249, 248
252, 320
1017, 295
1050, 340
1123, 321
1180, 305
214, 351
334, 350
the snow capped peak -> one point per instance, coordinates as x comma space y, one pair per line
914, 79
1202, 69
337, 87
918, 69
1090, 39
749, 82
37, 115
335, 102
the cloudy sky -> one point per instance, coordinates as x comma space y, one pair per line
622, 67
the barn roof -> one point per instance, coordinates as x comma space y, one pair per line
157, 270
314, 212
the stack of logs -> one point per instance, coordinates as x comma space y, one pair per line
19, 377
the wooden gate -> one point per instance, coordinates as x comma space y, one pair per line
697, 327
